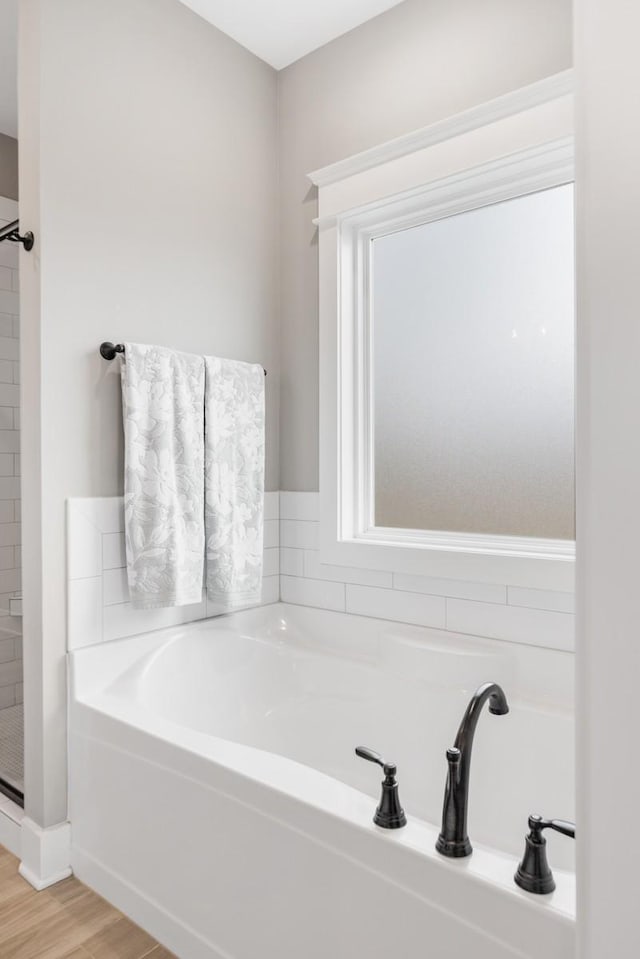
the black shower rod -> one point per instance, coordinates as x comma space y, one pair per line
11, 232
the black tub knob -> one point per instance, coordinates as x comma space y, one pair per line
389, 814
533, 873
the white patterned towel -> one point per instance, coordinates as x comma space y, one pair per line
163, 406
234, 482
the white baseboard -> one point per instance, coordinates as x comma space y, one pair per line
45, 853
150, 915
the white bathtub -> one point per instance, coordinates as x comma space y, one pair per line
216, 798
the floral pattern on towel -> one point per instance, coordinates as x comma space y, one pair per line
163, 411
234, 482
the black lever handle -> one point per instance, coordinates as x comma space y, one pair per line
389, 814
389, 769
533, 873
537, 824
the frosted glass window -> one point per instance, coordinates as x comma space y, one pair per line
473, 371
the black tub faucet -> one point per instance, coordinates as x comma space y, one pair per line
453, 840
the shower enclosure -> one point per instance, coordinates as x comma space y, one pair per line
11, 719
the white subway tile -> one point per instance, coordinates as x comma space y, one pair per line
482, 592
314, 569
17, 464
15, 276
9, 394
84, 544
6, 371
16, 371
541, 599
84, 613
512, 623
271, 562
6, 464
10, 673
106, 512
6, 510
9, 534
10, 580
270, 589
18, 692
6, 418
9, 347
271, 505
7, 696
6, 323
7, 552
291, 561
113, 551
9, 441
16, 328
124, 620
299, 534
301, 506
16, 418
115, 588
312, 592
414, 608
9, 254
6, 278
9, 487
7, 650
9, 302
271, 534
18, 555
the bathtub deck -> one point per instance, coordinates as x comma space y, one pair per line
66, 921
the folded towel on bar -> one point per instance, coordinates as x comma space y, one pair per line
163, 409
234, 482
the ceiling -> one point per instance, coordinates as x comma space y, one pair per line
281, 31
278, 31
9, 67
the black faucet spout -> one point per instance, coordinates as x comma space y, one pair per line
453, 840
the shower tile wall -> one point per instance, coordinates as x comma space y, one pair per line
10, 558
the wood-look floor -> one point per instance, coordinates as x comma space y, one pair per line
66, 921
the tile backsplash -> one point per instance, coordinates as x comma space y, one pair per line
530, 616
98, 606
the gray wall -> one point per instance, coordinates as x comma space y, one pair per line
420, 62
151, 188
608, 474
8, 167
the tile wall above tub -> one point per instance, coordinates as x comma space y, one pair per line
529, 616
99, 610
98, 607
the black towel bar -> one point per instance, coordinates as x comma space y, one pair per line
108, 351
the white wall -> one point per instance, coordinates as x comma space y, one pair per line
608, 519
420, 62
148, 167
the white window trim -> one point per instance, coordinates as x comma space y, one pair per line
518, 167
